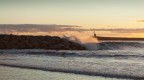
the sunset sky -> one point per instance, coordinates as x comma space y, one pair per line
89, 14
86, 13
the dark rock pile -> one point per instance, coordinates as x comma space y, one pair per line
37, 42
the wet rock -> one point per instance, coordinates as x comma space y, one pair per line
37, 42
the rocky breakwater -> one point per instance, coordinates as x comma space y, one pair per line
37, 42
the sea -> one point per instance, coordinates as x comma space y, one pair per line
102, 61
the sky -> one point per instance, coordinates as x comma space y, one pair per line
76, 18
87, 13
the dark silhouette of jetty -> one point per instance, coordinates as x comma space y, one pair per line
37, 42
101, 38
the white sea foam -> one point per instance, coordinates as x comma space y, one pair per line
110, 63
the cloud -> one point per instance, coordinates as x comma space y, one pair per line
140, 20
121, 30
130, 31
36, 28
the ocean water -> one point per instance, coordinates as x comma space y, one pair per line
10, 73
108, 61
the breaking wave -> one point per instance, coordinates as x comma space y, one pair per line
114, 45
127, 64
108, 59
123, 54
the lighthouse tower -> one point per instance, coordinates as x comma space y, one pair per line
94, 34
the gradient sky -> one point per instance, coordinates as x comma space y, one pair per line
86, 13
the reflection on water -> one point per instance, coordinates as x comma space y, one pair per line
8, 73
112, 63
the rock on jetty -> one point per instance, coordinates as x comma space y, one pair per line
37, 42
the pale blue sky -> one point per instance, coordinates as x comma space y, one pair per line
87, 13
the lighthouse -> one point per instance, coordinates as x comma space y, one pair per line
94, 34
